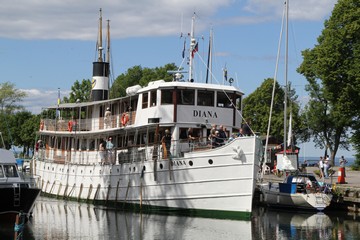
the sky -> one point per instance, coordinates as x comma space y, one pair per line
48, 45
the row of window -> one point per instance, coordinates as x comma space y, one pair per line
187, 97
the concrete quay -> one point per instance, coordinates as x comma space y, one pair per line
346, 195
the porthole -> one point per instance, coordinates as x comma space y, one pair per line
191, 163
161, 166
211, 161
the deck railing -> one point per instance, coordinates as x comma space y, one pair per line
90, 124
134, 153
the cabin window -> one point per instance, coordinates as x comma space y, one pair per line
153, 98
166, 96
10, 171
145, 99
223, 100
186, 97
238, 102
205, 98
1, 172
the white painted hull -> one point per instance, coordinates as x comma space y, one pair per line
310, 201
221, 179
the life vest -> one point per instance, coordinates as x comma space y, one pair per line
124, 119
70, 126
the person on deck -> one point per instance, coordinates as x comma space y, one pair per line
107, 118
274, 170
222, 135
102, 152
109, 151
343, 162
166, 142
212, 135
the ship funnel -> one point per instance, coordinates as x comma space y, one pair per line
101, 70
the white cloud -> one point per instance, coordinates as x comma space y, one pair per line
37, 100
299, 10
65, 19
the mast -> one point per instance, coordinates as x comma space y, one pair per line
100, 79
108, 42
192, 49
100, 48
286, 71
209, 63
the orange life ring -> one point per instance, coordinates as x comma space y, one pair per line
41, 125
124, 119
70, 126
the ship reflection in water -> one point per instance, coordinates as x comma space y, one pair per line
57, 219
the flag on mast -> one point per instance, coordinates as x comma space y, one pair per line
196, 48
58, 103
183, 52
58, 100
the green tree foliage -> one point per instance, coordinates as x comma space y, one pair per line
332, 69
79, 91
28, 133
9, 99
257, 110
139, 75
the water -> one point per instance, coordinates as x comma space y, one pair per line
56, 219
315, 160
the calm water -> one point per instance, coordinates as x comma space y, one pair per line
56, 219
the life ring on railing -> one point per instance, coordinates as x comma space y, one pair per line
41, 125
124, 119
70, 126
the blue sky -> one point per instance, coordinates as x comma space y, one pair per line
46, 45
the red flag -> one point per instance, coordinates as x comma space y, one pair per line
196, 48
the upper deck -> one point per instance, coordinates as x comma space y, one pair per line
159, 102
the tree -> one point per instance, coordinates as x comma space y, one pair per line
257, 109
142, 76
28, 133
79, 91
332, 71
9, 98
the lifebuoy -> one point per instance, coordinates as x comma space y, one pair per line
70, 125
124, 119
41, 125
